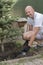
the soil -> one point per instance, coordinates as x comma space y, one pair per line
12, 52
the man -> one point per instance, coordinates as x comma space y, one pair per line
35, 21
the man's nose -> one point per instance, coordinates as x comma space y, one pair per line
28, 14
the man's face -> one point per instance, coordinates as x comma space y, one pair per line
30, 13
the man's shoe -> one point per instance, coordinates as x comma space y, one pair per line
23, 52
25, 43
26, 48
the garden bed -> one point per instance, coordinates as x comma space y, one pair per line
12, 51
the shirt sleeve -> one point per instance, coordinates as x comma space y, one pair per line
38, 21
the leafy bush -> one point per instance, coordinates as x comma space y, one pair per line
6, 30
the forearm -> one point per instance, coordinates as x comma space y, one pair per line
33, 36
30, 27
32, 39
27, 27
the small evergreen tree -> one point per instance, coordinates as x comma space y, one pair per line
6, 19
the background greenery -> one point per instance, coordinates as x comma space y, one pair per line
20, 6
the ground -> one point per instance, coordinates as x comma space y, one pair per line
33, 60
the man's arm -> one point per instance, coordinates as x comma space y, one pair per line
27, 27
30, 27
32, 38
